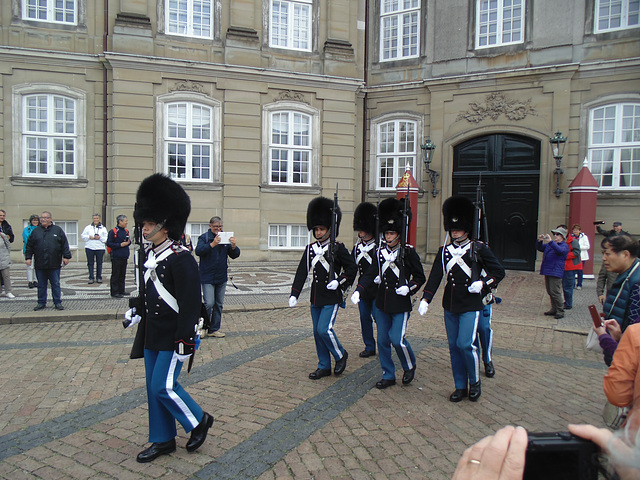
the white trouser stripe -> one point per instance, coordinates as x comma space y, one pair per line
174, 396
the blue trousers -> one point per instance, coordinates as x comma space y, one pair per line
485, 334
327, 343
98, 255
213, 296
568, 282
461, 333
366, 323
392, 329
168, 401
51, 275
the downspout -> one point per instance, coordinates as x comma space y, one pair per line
364, 101
105, 111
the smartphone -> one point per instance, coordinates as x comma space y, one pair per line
595, 316
560, 455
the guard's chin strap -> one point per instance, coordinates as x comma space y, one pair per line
157, 228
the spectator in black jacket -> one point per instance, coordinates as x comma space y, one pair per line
6, 239
118, 242
50, 246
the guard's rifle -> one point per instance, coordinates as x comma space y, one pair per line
404, 235
138, 302
331, 253
477, 218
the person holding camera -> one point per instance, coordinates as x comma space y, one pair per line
95, 237
118, 242
554, 254
616, 230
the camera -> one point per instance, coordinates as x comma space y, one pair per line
599, 222
561, 455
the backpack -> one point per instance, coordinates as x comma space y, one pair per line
115, 232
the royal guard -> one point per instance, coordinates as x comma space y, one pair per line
470, 268
397, 270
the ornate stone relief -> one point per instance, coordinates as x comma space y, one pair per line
290, 95
188, 86
494, 105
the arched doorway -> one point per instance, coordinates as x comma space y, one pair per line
509, 166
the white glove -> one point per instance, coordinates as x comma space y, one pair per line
182, 358
332, 285
377, 280
355, 298
476, 287
132, 317
293, 301
423, 307
403, 290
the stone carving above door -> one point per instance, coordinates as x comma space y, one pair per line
495, 105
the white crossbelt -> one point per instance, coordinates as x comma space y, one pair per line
456, 258
389, 262
363, 252
150, 273
319, 256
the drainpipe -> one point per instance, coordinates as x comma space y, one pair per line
364, 101
105, 111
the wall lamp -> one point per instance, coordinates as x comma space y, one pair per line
557, 147
427, 151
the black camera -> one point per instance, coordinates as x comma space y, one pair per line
561, 455
599, 222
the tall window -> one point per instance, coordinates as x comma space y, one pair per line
49, 136
397, 151
288, 236
290, 148
55, 11
399, 29
614, 145
195, 230
499, 22
188, 141
190, 18
70, 230
290, 24
616, 15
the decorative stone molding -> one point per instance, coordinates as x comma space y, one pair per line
494, 105
133, 19
188, 86
290, 95
243, 33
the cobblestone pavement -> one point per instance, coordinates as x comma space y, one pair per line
72, 404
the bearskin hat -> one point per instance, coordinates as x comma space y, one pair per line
364, 218
390, 213
161, 200
319, 213
457, 213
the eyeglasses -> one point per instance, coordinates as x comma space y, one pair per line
45, 218
216, 226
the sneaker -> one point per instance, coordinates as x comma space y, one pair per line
578, 288
10, 295
59, 307
217, 334
39, 307
99, 280
558, 316
91, 281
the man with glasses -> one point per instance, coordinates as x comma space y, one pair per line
213, 253
554, 253
50, 246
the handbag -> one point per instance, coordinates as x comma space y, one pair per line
593, 344
614, 417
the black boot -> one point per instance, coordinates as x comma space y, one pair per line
489, 371
458, 395
199, 434
474, 391
157, 449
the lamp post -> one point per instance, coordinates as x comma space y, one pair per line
427, 151
558, 142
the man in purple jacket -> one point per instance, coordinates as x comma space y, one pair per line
555, 251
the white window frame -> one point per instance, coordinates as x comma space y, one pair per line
502, 7
312, 150
628, 19
49, 11
400, 22
400, 152
187, 26
297, 24
72, 237
614, 146
23, 132
283, 238
191, 100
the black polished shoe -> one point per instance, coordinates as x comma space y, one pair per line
458, 395
367, 353
341, 364
407, 378
474, 391
319, 373
199, 434
489, 371
155, 450
117, 295
39, 307
385, 382
31, 285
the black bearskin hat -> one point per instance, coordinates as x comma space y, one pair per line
458, 214
364, 218
161, 200
390, 212
319, 213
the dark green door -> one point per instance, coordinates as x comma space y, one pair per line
509, 166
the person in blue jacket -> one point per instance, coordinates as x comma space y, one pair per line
554, 253
213, 255
34, 221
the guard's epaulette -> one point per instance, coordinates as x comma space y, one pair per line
178, 247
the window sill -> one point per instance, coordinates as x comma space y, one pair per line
50, 182
291, 189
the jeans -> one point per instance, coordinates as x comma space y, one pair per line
50, 275
461, 333
580, 275
97, 255
568, 282
327, 344
392, 329
366, 309
213, 296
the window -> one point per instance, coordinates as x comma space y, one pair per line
188, 141
49, 135
397, 150
189, 18
55, 11
399, 29
290, 148
288, 236
614, 146
290, 24
195, 230
499, 22
71, 231
616, 15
